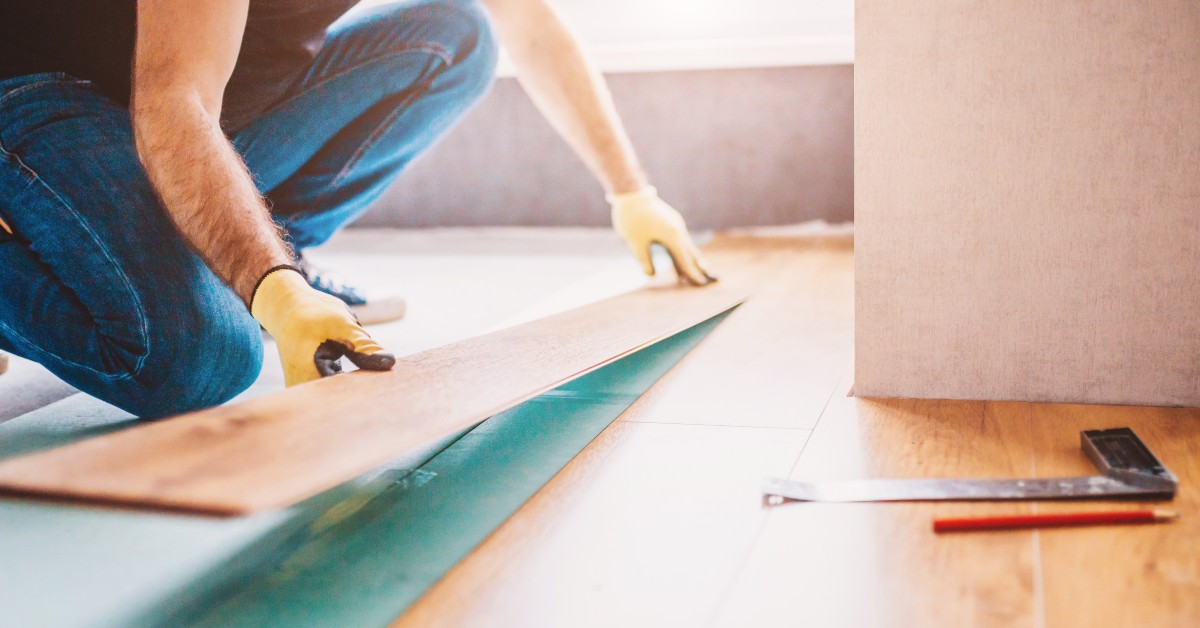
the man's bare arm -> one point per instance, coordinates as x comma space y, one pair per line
573, 96
568, 90
185, 54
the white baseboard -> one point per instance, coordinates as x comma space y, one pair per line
714, 54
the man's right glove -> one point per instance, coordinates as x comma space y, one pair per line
313, 330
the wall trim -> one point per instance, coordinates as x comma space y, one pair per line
713, 54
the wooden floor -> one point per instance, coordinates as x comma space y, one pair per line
659, 521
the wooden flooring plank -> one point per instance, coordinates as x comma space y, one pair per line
278, 449
644, 528
1146, 575
650, 523
775, 360
881, 564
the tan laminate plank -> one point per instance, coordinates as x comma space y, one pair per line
773, 361
649, 524
881, 564
276, 450
1137, 575
644, 528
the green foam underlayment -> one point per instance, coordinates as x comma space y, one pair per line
357, 555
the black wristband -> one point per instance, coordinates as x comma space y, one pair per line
250, 303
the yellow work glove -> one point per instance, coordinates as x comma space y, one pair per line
642, 218
313, 330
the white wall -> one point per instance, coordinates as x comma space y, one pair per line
657, 35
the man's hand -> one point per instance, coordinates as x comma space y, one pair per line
574, 98
642, 218
313, 330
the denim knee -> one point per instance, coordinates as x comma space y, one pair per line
199, 357
462, 30
478, 49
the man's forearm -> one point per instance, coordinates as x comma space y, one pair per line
568, 91
206, 189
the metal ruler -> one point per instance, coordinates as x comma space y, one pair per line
1128, 469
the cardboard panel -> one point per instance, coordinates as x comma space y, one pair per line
1028, 200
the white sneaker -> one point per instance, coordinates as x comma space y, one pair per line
369, 311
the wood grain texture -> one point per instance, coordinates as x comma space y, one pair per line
646, 527
649, 525
657, 523
774, 361
276, 450
819, 557
1026, 197
1122, 575
881, 564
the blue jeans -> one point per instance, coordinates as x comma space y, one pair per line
100, 288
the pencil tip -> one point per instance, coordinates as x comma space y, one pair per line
1165, 514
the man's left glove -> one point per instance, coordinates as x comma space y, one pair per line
642, 218
313, 330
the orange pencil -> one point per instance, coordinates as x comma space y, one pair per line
963, 524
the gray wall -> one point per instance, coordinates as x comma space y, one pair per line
1028, 190
727, 147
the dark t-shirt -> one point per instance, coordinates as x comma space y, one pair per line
93, 40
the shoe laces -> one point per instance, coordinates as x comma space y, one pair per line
328, 282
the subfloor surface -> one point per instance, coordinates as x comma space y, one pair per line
658, 522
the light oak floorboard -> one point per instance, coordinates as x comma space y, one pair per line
651, 522
776, 359
1144, 575
881, 564
644, 528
